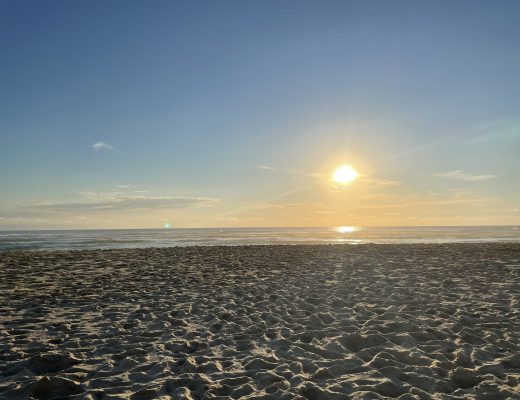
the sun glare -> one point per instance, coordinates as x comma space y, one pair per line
344, 174
346, 229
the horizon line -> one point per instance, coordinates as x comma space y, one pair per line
261, 227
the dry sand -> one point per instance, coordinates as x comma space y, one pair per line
270, 322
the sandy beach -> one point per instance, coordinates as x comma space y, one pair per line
432, 321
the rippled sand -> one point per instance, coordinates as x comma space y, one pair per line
272, 322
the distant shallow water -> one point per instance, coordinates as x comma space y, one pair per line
141, 238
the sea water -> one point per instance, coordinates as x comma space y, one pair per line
141, 238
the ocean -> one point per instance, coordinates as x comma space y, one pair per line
141, 238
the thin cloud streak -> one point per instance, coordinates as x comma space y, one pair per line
460, 175
490, 130
119, 201
102, 146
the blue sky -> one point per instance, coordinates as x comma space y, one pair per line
192, 99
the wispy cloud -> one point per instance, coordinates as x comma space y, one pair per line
460, 175
453, 198
363, 182
20, 220
266, 167
379, 183
113, 201
132, 188
501, 129
102, 146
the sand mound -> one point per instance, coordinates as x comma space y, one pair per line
51, 362
263, 322
52, 387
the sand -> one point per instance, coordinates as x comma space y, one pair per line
264, 322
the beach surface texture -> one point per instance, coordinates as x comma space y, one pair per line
428, 321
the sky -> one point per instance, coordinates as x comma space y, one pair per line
134, 114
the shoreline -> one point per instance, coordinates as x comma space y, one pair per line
484, 242
105, 239
328, 321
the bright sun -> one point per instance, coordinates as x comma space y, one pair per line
344, 174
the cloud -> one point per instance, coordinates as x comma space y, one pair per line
131, 188
102, 146
460, 175
266, 167
324, 212
379, 183
501, 129
266, 206
429, 200
362, 179
20, 220
114, 201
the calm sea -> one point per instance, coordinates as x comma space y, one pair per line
138, 238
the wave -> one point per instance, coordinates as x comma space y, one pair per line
142, 238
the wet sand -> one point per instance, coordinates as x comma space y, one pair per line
270, 322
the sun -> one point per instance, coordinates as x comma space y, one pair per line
344, 174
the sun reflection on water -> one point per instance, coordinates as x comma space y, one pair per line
347, 229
